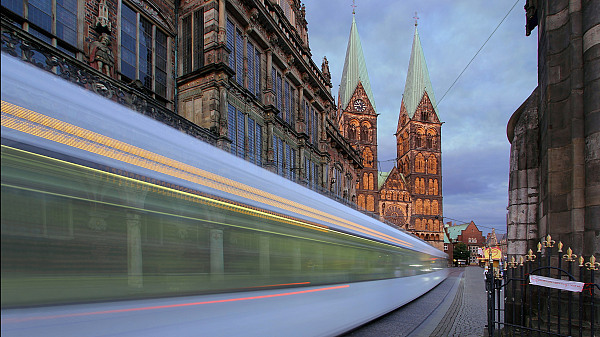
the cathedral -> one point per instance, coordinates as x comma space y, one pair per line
410, 195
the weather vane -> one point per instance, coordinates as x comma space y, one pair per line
353, 7
416, 18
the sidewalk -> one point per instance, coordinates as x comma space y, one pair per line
463, 311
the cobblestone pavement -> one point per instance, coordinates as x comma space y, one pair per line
467, 315
456, 307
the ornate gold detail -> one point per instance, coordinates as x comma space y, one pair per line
592, 265
539, 247
512, 263
521, 260
560, 245
549, 243
581, 261
570, 257
530, 257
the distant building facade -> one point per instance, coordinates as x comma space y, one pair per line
358, 120
470, 235
411, 194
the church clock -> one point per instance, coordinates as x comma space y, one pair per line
359, 105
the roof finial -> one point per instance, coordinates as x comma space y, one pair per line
353, 7
416, 18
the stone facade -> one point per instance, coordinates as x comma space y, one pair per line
359, 122
246, 73
555, 135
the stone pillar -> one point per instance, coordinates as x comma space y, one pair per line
217, 261
222, 21
134, 251
264, 257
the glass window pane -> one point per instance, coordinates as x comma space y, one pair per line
40, 13
14, 5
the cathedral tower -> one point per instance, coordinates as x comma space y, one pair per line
418, 146
358, 119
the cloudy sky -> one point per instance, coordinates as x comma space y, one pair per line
475, 150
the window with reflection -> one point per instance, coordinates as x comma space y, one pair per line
143, 51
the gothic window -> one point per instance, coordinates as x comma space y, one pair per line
139, 50
435, 187
419, 206
427, 207
405, 141
371, 181
436, 225
361, 201
432, 165
420, 139
418, 224
431, 135
430, 190
434, 207
365, 130
420, 163
368, 157
370, 203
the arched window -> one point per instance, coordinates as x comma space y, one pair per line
365, 130
365, 181
430, 189
361, 201
418, 224
434, 208
435, 187
420, 138
420, 163
427, 207
368, 157
419, 206
432, 165
371, 181
370, 203
405, 141
431, 135
422, 185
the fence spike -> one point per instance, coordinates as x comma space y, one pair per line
530, 257
560, 245
549, 243
539, 247
592, 265
570, 256
581, 261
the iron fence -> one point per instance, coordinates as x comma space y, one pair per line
546, 293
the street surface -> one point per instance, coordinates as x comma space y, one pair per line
456, 307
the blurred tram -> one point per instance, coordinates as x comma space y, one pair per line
116, 224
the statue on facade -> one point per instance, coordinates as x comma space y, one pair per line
101, 55
325, 70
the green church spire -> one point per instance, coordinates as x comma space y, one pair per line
355, 70
417, 79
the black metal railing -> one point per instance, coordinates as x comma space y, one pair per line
541, 294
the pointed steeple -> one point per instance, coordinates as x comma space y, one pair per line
417, 79
355, 70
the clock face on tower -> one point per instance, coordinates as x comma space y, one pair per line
359, 105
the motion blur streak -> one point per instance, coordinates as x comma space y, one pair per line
35, 318
24, 120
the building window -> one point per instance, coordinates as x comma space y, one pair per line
45, 25
192, 42
143, 51
248, 146
237, 47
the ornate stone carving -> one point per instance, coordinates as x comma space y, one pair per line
325, 70
103, 24
101, 55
